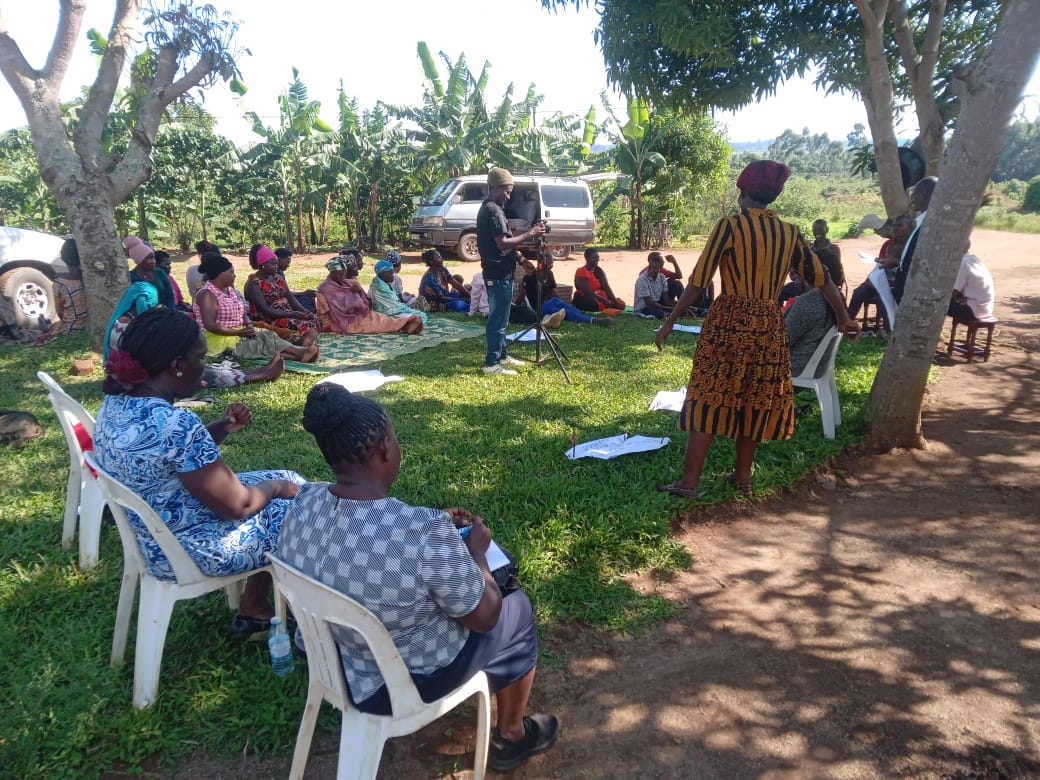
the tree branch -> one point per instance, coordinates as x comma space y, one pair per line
69, 21
99, 100
134, 168
16, 69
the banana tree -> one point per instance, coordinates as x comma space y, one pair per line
301, 142
636, 155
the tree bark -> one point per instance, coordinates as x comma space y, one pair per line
920, 70
991, 92
877, 94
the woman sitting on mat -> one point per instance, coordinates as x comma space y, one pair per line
344, 308
431, 588
222, 315
145, 270
384, 297
272, 303
592, 291
226, 522
440, 289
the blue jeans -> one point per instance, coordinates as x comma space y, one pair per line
500, 299
553, 305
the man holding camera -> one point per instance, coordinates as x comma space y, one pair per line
498, 260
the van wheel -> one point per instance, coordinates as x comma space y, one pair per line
467, 248
561, 252
30, 292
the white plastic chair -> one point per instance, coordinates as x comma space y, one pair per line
879, 279
157, 596
83, 498
821, 379
362, 736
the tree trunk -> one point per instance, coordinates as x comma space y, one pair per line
142, 216
325, 218
877, 94
287, 214
90, 216
373, 214
313, 227
301, 240
991, 93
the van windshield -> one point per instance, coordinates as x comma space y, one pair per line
441, 194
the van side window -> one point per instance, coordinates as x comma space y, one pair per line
474, 192
564, 196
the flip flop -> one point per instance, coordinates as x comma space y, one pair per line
745, 488
677, 490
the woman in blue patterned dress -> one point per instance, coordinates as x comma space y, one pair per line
226, 522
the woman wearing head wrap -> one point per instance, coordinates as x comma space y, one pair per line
145, 270
226, 522
138, 298
223, 318
740, 385
344, 308
271, 302
385, 299
411, 300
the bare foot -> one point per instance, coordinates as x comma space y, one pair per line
274, 369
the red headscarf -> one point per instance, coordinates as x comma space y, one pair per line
763, 180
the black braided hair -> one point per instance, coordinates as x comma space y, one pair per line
347, 427
158, 337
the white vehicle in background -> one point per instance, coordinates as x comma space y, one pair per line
447, 219
28, 262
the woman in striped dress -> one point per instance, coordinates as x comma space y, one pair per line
740, 384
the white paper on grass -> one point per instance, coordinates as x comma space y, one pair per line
360, 381
612, 446
531, 334
684, 328
668, 400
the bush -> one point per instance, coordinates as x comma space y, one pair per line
1031, 201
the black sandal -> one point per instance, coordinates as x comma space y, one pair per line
677, 490
745, 488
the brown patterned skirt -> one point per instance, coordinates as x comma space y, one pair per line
740, 384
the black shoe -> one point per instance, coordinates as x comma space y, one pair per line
540, 732
245, 627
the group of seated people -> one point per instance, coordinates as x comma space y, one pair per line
266, 320
410, 565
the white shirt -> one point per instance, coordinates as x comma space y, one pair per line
975, 283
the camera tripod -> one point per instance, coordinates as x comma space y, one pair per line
541, 331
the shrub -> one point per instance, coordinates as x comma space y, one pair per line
1031, 201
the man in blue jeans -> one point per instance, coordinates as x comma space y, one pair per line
498, 258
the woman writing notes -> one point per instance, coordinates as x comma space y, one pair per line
740, 385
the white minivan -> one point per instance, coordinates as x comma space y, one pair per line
447, 219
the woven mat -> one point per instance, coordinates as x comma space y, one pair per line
341, 352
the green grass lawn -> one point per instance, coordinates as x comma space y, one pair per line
492, 444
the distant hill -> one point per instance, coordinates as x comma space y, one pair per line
751, 146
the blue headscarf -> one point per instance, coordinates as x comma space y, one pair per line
138, 298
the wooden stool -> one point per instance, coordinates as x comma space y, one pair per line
967, 347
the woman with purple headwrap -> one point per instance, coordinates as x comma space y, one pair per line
740, 385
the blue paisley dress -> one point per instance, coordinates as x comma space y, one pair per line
145, 443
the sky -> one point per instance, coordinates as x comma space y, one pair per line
371, 47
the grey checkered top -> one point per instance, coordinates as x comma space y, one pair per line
406, 564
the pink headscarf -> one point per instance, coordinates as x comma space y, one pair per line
265, 255
139, 251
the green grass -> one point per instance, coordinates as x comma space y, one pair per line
493, 444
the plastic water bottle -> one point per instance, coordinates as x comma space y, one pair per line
281, 649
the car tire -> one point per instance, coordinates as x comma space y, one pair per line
467, 248
561, 252
31, 296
